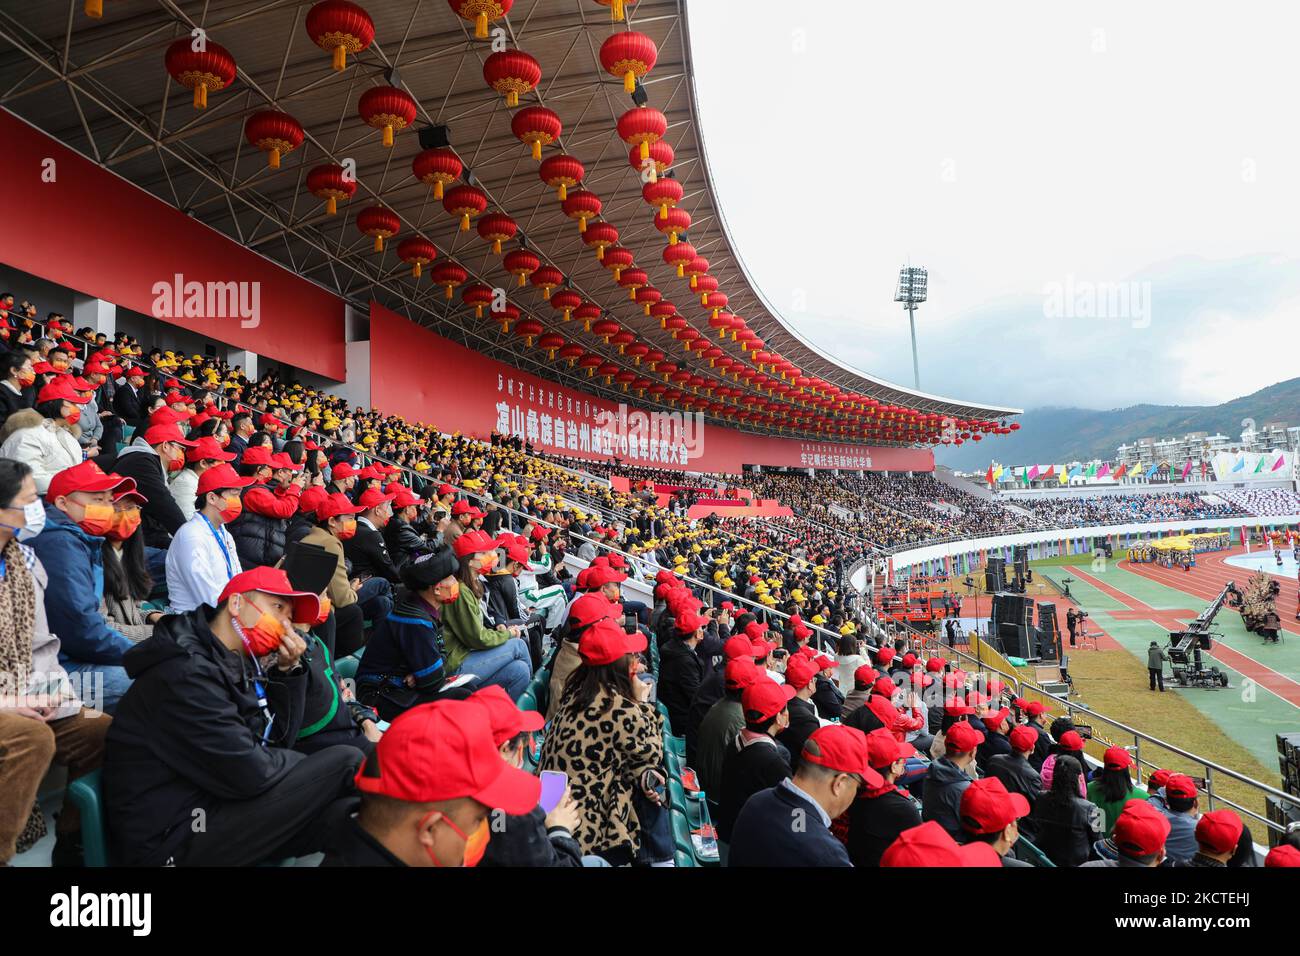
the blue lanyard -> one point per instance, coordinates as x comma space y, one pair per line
230, 570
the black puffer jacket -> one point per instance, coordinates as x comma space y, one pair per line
404, 542
259, 539
188, 736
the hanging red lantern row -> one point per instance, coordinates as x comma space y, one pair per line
571, 353
641, 126
661, 158
212, 68
448, 275
465, 202
340, 27
529, 329
481, 13
623, 339
664, 193
274, 133
547, 278
438, 167
505, 313
587, 313
606, 329
695, 268
561, 173
616, 259
663, 311
511, 72
705, 285
328, 182
496, 228
520, 263
478, 295
418, 252
536, 126
600, 236
673, 224
387, 108
647, 297
565, 301
632, 279
630, 56
379, 223
582, 205
551, 342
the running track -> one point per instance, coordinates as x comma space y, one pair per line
1200, 585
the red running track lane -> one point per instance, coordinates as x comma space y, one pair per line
1264, 676
1211, 573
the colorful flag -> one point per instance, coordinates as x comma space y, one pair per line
1051, 471
989, 474
1024, 475
1260, 466
1152, 471
1281, 460
1033, 473
997, 473
1076, 471
1119, 472
1187, 468
1105, 470
1064, 477
1241, 463
1092, 471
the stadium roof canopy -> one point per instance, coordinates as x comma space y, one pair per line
101, 87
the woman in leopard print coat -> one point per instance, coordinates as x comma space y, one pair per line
609, 740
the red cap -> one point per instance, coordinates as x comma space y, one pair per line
1116, 758
508, 721
808, 652
159, 434
445, 489
257, 455
741, 672
221, 476
599, 576
799, 672
373, 499
1071, 740
539, 533
759, 648
517, 552
865, 676
1140, 830
444, 751
688, 622
167, 416
763, 699
335, 505
664, 576
61, 389
987, 806
726, 606
961, 738
885, 655
605, 642
754, 630
268, 580
909, 660
801, 632
341, 471
883, 748
843, 749
738, 646
1157, 779
405, 498
822, 662
1024, 738
958, 708
1035, 708
994, 719
282, 460
471, 542
86, 476
930, 845
588, 609
934, 665
269, 419
463, 507
206, 449
1219, 831
1180, 785
885, 687
311, 499
1283, 855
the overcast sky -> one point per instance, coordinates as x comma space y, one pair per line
1028, 154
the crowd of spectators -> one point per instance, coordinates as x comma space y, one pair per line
1069, 511
1265, 502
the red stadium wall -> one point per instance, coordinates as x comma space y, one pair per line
424, 377
99, 235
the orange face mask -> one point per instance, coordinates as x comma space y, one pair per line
125, 524
348, 530
97, 519
325, 608
475, 844
233, 509
26, 378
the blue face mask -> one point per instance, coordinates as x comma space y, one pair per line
33, 515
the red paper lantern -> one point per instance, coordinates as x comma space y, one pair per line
511, 72
623, 339
704, 285
647, 297
590, 362
664, 193
606, 329
638, 351
537, 126
550, 341
477, 295
588, 312
529, 329
678, 256
328, 183
547, 278
497, 228
448, 275
465, 202
600, 236
380, 223
633, 279
418, 251
566, 300
571, 353
481, 13
561, 173
672, 225
212, 68
628, 55
617, 258
615, 8
641, 126
437, 167
341, 27
663, 311
520, 262
274, 133
660, 159
387, 108
505, 313
582, 205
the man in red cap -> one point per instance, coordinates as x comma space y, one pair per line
401, 536
78, 513
428, 790
789, 824
199, 768
366, 549
262, 528
948, 777
184, 488
1037, 715
1182, 806
681, 671
724, 720
1218, 837
203, 556
801, 674
1014, 769
1138, 838
863, 679
990, 814
754, 760
336, 521
884, 812
1283, 855
929, 845
151, 459
462, 518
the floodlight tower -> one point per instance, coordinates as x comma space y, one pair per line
912, 282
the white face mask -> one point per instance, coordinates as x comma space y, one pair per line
34, 516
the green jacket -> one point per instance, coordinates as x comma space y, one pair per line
463, 630
1114, 808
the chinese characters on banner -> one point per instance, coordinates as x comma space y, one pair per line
814, 455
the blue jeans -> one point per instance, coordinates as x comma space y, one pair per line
509, 666
100, 686
376, 599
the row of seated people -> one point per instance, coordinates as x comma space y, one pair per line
1097, 510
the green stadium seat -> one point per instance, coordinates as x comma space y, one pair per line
676, 744
682, 859
346, 667
528, 701
673, 763
86, 794
682, 833
1029, 853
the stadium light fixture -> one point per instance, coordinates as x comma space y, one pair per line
912, 283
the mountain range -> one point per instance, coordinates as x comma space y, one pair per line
1067, 434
